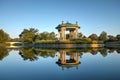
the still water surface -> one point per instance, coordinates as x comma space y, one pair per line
44, 64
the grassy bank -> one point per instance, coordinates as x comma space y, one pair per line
68, 42
2, 44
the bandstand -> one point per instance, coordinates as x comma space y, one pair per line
72, 28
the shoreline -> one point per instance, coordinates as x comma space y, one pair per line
62, 45
68, 45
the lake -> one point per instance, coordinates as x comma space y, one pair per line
60, 64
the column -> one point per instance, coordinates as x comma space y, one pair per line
76, 32
76, 58
59, 56
58, 34
63, 58
63, 33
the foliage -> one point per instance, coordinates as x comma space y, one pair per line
71, 41
33, 54
3, 36
46, 54
103, 52
14, 40
80, 35
88, 39
29, 35
3, 52
103, 36
47, 36
52, 36
111, 38
44, 36
28, 54
118, 37
93, 36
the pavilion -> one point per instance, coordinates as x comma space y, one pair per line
72, 28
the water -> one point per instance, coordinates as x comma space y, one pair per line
43, 64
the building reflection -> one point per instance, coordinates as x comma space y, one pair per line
65, 62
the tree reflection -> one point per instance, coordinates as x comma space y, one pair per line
33, 54
103, 52
111, 50
46, 54
28, 54
118, 50
94, 51
3, 52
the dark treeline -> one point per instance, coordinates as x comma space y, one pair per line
33, 35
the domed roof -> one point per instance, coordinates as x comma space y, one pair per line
67, 25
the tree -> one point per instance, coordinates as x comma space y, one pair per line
15, 39
3, 36
118, 37
52, 36
47, 36
103, 36
28, 35
111, 38
44, 35
93, 36
80, 35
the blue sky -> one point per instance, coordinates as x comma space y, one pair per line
93, 16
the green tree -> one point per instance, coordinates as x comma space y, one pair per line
93, 36
111, 38
4, 36
118, 37
28, 35
44, 35
80, 35
47, 36
52, 36
103, 36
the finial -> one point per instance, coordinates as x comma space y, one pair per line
62, 22
76, 23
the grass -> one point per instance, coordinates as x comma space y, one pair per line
63, 42
70, 41
2, 44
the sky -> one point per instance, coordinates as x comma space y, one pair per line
93, 16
